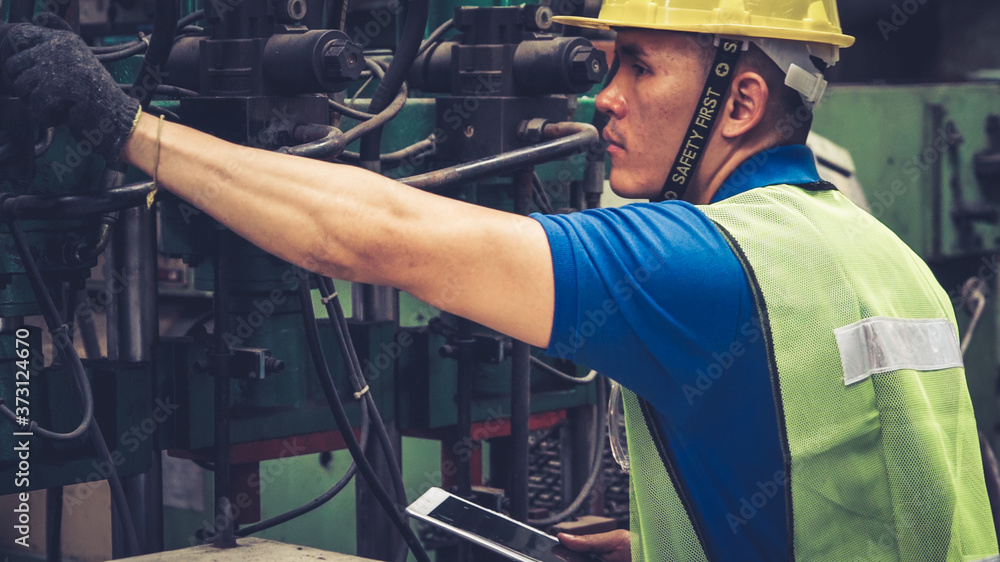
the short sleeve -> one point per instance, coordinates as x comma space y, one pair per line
645, 294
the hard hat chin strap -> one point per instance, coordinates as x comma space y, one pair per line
710, 105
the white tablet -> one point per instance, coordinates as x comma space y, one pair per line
490, 529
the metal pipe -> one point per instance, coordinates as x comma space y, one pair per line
47, 207
593, 181
569, 138
137, 313
419, 150
42, 146
85, 252
334, 141
136, 268
53, 524
520, 386
112, 285
223, 513
464, 343
88, 331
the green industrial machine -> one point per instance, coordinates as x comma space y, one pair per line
927, 156
156, 394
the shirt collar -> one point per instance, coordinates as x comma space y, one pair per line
793, 164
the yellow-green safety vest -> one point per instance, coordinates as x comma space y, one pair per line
881, 454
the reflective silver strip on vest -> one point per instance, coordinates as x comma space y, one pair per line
989, 559
879, 345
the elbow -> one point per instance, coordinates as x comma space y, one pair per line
377, 250
328, 255
324, 260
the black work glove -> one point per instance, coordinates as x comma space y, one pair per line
56, 74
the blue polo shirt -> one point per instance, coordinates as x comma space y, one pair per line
651, 295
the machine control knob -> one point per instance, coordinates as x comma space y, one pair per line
587, 64
342, 60
312, 61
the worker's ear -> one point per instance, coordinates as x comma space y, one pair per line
746, 105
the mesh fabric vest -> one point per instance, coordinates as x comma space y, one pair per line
887, 468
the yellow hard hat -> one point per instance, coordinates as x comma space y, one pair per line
814, 21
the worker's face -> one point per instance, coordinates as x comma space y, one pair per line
650, 101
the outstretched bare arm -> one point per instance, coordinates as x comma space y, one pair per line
492, 267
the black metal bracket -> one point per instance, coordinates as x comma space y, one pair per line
486, 348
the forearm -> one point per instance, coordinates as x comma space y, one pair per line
318, 215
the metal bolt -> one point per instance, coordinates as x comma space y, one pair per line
295, 10
543, 17
342, 60
273, 365
586, 65
470, 131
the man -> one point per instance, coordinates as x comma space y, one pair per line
796, 384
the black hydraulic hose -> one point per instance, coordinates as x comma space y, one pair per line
435, 36
335, 141
59, 332
106, 49
406, 52
571, 137
153, 69
323, 371
49, 207
349, 111
190, 18
595, 468
336, 313
418, 150
143, 41
540, 197
383, 497
113, 177
520, 385
341, 329
86, 252
170, 91
134, 48
43, 146
224, 536
336, 14
82, 386
520, 421
536, 362
53, 523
